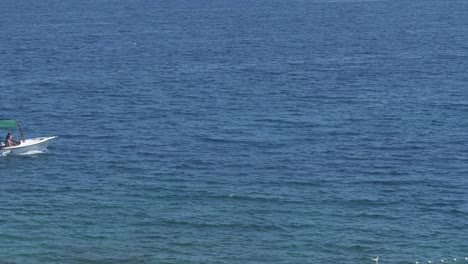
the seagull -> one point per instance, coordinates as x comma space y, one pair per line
429, 262
442, 260
376, 259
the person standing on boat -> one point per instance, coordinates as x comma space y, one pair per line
10, 141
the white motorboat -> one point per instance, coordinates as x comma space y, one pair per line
25, 146
33, 145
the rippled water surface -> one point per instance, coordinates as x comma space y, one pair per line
236, 131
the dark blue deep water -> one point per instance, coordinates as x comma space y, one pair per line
247, 131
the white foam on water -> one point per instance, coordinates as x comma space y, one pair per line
33, 152
4, 154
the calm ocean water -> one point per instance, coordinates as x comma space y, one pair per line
250, 131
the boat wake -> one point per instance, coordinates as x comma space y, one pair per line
28, 153
33, 152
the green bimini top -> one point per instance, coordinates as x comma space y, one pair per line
8, 123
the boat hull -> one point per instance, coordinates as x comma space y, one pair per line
33, 145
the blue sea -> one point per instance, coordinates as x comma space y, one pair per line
247, 131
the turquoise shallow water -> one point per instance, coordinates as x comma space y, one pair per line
235, 132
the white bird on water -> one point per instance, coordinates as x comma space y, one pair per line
376, 259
